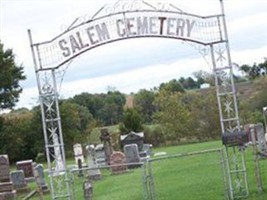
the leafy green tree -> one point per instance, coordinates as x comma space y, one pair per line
204, 77
172, 115
75, 120
143, 102
190, 83
254, 71
131, 121
18, 138
107, 108
172, 86
10, 75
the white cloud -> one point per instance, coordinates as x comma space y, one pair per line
116, 64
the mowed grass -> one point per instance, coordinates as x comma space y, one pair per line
197, 177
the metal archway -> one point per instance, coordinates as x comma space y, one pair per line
136, 19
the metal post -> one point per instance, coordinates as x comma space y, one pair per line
264, 112
42, 107
51, 122
256, 160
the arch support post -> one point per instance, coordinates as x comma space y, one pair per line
52, 130
234, 159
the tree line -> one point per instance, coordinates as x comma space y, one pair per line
173, 112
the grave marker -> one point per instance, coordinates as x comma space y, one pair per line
87, 190
78, 153
132, 154
94, 174
27, 167
4, 169
41, 177
6, 186
118, 162
18, 180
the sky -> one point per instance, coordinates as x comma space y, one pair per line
128, 65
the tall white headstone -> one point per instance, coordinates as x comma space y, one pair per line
78, 153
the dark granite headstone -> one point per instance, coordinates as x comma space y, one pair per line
27, 167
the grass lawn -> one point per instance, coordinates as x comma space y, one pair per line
197, 177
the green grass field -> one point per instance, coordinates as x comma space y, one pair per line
197, 177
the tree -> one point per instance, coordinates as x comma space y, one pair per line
172, 115
204, 77
143, 101
254, 71
172, 86
10, 76
131, 121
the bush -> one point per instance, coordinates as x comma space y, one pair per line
40, 158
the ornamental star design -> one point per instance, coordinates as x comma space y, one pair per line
228, 106
238, 184
220, 53
234, 159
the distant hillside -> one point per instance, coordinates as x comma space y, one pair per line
244, 91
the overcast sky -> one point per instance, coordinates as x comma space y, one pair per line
127, 65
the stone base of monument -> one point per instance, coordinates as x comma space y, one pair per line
30, 179
94, 174
6, 187
11, 195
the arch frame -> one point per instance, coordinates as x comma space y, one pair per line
52, 55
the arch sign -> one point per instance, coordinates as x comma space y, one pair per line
148, 22
127, 20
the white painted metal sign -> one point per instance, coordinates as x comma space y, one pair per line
125, 25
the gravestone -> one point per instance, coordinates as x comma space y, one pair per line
106, 139
118, 162
133, 138
4, 169
80, 166
78, 153
94, 174
27, 167
147, 149
100, 156
132, 154
18, 180
87, 190
41, 177
6, 186
261, 137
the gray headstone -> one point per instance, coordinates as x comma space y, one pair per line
18, 180
261, 138
94, 174
91, 155
100, 156
147, 149
41, 177
4, 169
87, 190
132, 154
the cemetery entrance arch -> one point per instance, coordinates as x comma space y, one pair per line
127, 20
